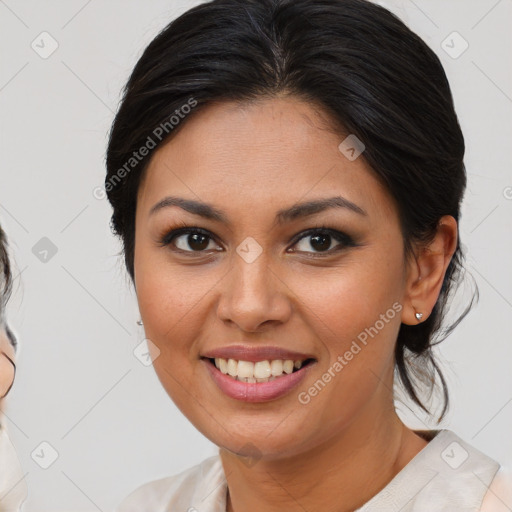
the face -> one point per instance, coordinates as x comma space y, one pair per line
6, 367
252, 285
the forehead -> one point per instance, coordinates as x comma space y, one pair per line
273, 151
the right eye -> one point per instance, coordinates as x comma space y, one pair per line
188, 240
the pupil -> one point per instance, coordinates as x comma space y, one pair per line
198, 239
324, 238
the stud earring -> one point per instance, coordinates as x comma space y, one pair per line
419, 316
139, 322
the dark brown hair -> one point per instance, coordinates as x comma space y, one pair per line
5, 285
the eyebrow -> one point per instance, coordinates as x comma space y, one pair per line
292, 213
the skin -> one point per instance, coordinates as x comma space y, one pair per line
251, 161
6, 367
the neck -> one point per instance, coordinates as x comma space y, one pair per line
340, 475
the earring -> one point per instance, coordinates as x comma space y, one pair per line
419, 316
139, 322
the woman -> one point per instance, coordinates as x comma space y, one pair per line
286, 179
13, 488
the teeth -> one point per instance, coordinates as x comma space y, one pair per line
276, 367
261, 371
223, 365
245, 369
288, 366
232, 367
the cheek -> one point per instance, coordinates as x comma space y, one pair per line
356, 319
171, 298
6, 374
165, 302
354, 312
346, 300
169, 303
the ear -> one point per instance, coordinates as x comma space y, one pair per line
426, 271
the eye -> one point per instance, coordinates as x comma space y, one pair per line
188, 239
196, 240
321, 239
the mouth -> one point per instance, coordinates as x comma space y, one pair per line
257, 381
253, 372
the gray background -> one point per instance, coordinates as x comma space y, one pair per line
79, 386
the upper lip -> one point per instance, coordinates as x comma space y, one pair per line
255, 353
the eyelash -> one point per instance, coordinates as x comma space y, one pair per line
344, 239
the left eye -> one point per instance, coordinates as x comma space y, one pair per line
321, 240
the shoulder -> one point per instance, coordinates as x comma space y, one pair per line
204, 481
447, 474
13, 485
498, 497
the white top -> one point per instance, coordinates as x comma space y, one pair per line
13, 487
447, 475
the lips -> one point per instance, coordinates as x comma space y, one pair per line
264, 389
255, 354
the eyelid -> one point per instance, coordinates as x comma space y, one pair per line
335, 233
344, 240
170, 235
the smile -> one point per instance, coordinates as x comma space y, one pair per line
259, 371
257, 381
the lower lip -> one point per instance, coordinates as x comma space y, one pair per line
259, 391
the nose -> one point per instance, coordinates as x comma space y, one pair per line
253, 296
